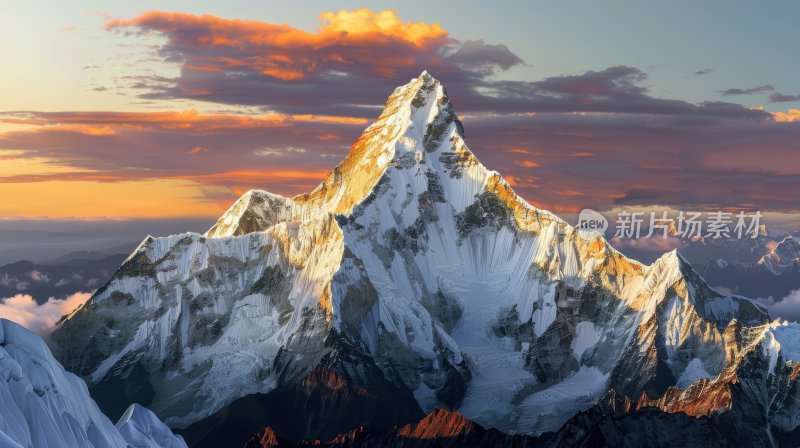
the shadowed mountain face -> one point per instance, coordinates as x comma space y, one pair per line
440, 428
603, 425
412, 279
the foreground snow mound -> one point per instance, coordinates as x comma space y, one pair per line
413, 271
142, 429
43, 406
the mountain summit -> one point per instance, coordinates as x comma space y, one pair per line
413, 278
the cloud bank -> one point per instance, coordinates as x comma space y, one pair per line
40, 319
787, 308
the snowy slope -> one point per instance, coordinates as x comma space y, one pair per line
142, 429
424, 261
787, 336
43, 406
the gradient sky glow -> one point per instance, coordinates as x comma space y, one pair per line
171, 110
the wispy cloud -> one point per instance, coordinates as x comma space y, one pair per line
209, 149
270, 152
787, 308
748, 91
781, 98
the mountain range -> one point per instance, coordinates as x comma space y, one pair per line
82, 271
414, 299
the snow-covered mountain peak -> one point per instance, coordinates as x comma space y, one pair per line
672, 262
783, 256
417, 120
416, 116
255, 211
411, 267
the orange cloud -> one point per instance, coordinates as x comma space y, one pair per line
789, 116
198, 150
522, 182
364, 22
58, 198
517, 151
329, 137
526, 163
343, 67
141, 194
569, 193
157, 164
223, 178
329, 119
287, 53
102, 123
255, 176
89, 130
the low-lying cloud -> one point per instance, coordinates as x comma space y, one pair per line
41, 319
787, 308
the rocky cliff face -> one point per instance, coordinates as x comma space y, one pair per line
784, 256
414, 275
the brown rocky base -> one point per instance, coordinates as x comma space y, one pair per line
609, 424
346, 402
440, 428
615, 421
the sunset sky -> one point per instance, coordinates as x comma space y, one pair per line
154, 110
